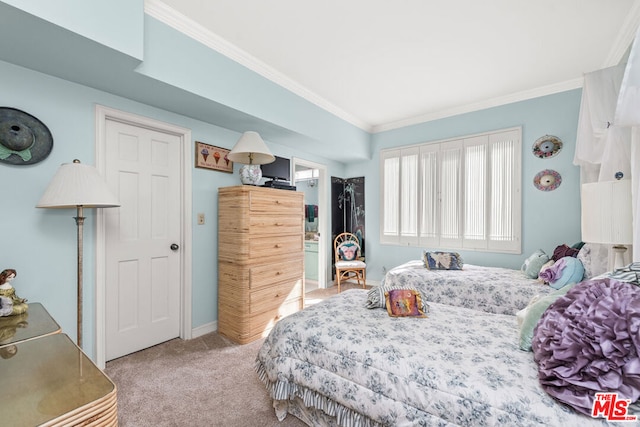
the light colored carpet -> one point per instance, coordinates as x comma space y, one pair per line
206, 381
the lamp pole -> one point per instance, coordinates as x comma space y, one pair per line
80, 225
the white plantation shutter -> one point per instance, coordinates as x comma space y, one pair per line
475, 192
390, 197
505, 181
456, 194
409, 195
450, 194
429, 219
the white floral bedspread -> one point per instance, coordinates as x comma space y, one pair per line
490, 289
457, 367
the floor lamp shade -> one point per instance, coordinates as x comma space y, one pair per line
78, 186
251, 151
607, 215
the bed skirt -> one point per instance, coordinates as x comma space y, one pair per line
309, 406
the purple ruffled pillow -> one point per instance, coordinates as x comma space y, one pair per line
588, 341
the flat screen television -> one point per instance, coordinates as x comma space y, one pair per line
278, 170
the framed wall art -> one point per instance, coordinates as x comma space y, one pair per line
212, 157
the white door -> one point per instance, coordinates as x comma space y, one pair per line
142, 238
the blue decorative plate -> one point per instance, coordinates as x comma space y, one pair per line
547, 146
547, 180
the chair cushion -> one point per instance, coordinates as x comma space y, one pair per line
350, 264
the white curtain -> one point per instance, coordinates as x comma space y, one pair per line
627, 115
603, 147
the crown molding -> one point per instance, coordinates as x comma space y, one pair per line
483, 105
625, 37
162, 12
171, 17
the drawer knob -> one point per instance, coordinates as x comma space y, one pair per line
277, 245
279, 224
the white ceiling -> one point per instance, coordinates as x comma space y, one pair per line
381, 64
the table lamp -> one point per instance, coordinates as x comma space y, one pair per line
251, 151
78, 186
607, 216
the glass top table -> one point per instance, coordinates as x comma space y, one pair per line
49, 381
36, 322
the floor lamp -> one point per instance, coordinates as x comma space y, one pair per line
607, 216
78, 186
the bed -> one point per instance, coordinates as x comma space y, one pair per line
338, 363
490, 289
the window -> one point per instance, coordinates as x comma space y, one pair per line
454, 194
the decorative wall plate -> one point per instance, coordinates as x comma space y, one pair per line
24, 140
547, 146
547, 180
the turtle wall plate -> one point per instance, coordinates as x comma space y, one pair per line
24, 140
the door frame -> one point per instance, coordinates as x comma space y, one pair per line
103, 114
323, 223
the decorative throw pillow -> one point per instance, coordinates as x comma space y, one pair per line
403, 303
534, 263
587, 342
629, 274
376, 296
564, 271
578, 245
544, 267
563, 251
442, 260
348, 250
528, 317
594, 259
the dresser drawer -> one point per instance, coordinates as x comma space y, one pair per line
290, 270
262, 323
270, 299
279, 201
275, 224
246, 328
281, 246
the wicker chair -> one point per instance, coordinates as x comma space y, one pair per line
349, 264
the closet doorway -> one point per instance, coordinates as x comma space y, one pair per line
311, 179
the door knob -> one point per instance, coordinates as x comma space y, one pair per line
174, 247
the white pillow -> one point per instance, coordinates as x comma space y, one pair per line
594, 259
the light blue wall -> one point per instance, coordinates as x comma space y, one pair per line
95, 20
548, 218
182, 62
40, 243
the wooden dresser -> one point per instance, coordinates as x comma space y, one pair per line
47, 380
260, 259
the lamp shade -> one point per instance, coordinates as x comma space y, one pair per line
251, 150
76, 184
606, 212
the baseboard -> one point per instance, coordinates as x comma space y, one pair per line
204, 329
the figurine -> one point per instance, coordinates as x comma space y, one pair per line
8, 297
